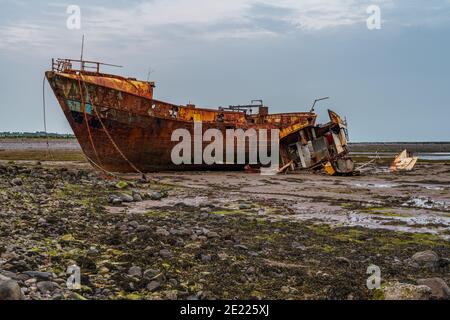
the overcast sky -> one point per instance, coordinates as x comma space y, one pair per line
392, 84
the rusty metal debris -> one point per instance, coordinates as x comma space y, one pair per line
405, 161
122, 128
319, 146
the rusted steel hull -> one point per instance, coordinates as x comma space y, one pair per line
121, 129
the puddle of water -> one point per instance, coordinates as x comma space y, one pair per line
374, 185
426, 203
423, 156
421, 223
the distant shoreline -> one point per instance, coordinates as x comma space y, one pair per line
68, 136
35, 148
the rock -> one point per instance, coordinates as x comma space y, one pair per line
428, 259
406, 291
75, 296
153, 285
439, 289
7, 275
173, 282
137, 197
251, 270
212, 234
244, 206
92, 252
343, 260
135, 271
121, 185
42, 221
162, 232
10, 290
171, 294
134, 224
16, 181
44, 276
142, 228
150, 273
126, 197
156, 195
206, 257
298, 246
165, 253
116, 201
240, 247
47, 286
285, 289
444, 262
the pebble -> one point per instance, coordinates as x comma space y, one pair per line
439, 289
153, 285
47, 286
126, 197
212, 234
135, 271
10, 290
165, 253
45, 276
156, 195
150, 273
298, 246
343, 260
206, 257
133, 224
137, 197
162, 232
406, 291
428, 259
16, 181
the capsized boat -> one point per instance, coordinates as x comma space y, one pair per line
405, 161
121, 127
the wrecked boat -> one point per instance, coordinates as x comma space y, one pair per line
405, 161
121, 127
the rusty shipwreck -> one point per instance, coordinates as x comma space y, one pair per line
122, 128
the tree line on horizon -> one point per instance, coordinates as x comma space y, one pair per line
37, 134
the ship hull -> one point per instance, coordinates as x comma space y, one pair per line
118, 131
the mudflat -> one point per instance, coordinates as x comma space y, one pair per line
229, 235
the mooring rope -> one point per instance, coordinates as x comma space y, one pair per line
45, 119
47, 140
108, 134
83, 103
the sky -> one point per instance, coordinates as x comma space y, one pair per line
391, 83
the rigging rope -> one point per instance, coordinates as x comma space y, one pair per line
108, 135
45, 119
47, 140
83, 103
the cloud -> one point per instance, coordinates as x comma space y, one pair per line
199, 18
157, 21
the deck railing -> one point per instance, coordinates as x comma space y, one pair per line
72, 65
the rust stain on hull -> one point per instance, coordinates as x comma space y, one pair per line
122, 128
